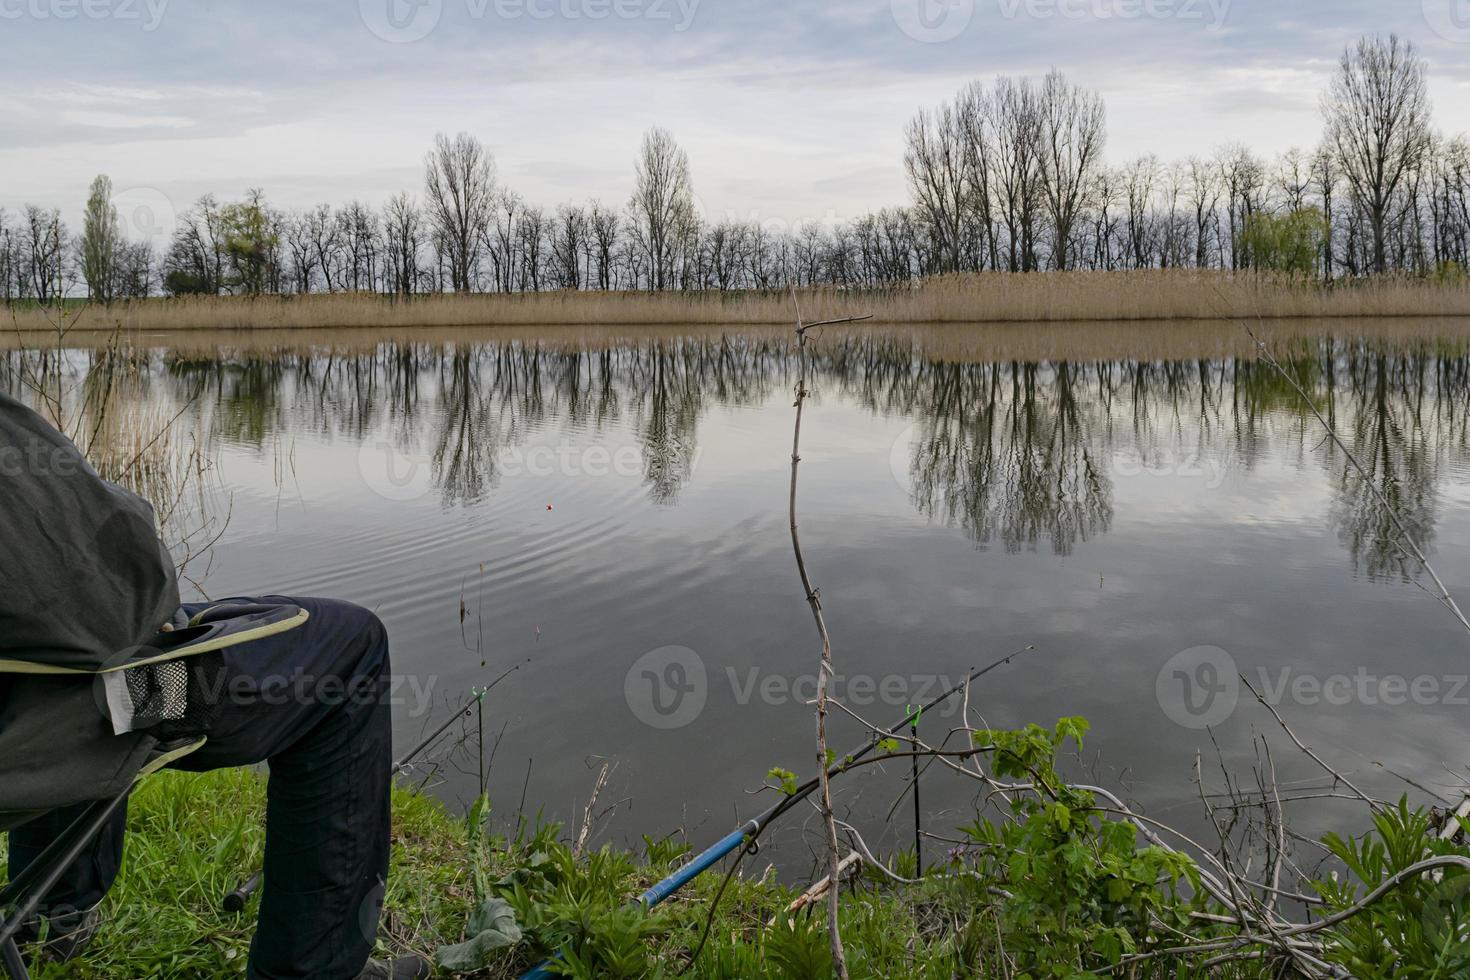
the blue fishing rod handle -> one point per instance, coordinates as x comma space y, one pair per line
695, 868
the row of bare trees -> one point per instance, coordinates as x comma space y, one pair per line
1011, 177
1007, 177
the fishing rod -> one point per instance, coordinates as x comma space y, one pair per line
747, 832
235, 900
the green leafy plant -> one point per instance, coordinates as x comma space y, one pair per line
1418, 930
1077, 891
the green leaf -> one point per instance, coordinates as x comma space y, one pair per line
784, 778
492, 926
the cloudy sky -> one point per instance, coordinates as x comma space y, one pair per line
790, 109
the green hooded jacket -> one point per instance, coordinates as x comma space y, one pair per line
84, 580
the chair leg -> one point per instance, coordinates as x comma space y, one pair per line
10, 957
31, 886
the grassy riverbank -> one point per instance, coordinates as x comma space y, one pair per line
985, 298
1058, 886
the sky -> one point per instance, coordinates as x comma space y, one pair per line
790, 110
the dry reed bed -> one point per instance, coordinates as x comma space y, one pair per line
985, 298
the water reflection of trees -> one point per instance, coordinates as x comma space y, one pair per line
1015, 453
1006, 452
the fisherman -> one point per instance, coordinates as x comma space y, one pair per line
87, 589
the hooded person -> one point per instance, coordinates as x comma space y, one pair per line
104, 671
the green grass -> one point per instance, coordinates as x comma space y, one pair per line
1055, 890
192, 838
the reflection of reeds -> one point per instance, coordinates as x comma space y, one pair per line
101, 400
1162, 340
989, 298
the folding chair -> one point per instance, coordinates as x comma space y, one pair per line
24, 893
154, 683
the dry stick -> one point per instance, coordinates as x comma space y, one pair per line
918, 815
814, 599
587, 817
812, 894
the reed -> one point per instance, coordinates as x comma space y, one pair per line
984, 298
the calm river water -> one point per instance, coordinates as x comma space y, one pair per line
609, 513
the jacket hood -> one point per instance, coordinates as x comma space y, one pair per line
83, 575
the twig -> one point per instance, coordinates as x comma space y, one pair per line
814, 599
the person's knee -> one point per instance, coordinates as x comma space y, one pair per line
357, 642
347, 621
369, 627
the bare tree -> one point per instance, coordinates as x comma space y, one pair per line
43, 252
1204, 196
530, 237
570, 247
662, 206
296, 232
1016, 124
1294, 178
134, 269
504, 237
404, 237
459, 187
973, 119
1073, 132
1377, 115
360, 234
1138, 183
1244, 177
605, 228
1326, 177
9, 261
934, 160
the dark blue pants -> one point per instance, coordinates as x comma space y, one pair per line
313, 703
